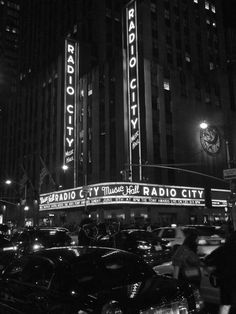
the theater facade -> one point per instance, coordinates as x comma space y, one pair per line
134, 203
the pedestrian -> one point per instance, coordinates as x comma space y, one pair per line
186, 262
87, 232
222, 263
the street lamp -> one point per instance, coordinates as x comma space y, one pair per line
204, 125
10, 182
65, 167
210, 137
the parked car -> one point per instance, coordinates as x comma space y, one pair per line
97, 280
208, 237
7, 251
33, 239
153, 249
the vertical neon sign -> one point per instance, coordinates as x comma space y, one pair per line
70, 104
133, 88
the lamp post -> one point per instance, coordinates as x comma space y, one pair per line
23, 200
205, 126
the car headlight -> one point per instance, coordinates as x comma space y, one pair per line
222, 241
178, 307
143, 246
37, 246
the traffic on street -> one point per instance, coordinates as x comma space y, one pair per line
120, 270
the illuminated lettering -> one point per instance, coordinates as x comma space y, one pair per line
70, 80
133, 87
113, 193
70, 49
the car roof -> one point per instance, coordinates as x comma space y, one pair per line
134, 230
73, 253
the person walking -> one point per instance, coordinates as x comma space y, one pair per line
222, 263
186, 262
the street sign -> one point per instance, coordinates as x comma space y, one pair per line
229, 174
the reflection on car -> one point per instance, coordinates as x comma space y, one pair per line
208, 237
7, 251
144, 243
91, 280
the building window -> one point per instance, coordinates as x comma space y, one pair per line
187, 57
211, 66
207, 5
153, 7
166, 84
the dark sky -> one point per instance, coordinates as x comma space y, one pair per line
229, 9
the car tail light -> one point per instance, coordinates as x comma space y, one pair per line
202, 242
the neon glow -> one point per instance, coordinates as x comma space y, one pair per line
70, 98
133, 87
124, 193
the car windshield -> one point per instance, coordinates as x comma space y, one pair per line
48, 235
204, 231
144, 236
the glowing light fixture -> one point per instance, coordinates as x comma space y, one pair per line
204, 125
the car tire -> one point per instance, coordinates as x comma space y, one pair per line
112, 307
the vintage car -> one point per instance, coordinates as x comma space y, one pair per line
69, 280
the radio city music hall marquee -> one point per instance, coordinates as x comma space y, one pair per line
123, 193
133, 86
69, 101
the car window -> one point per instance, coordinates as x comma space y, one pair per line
168, 233
188, 231
22, 237
143, 236
38, 272
52, 236
206, 231
157, 231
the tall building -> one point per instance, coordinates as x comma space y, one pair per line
9, 44
117, 90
